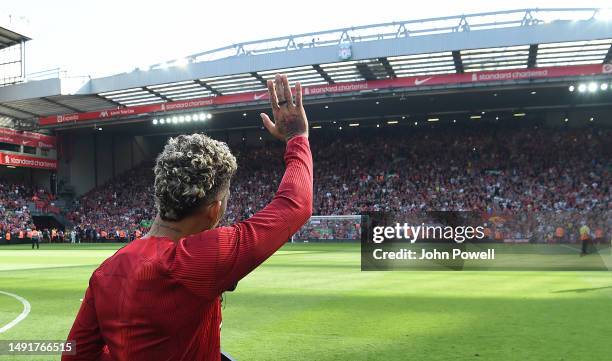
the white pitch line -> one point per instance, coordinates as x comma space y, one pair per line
22, 315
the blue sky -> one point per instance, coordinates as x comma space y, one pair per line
106, 37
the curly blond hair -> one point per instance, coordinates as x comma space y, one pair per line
190, 172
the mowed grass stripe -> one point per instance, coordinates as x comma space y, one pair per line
309, 304
14, 260
328, 310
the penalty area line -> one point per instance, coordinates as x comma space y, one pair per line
22, 315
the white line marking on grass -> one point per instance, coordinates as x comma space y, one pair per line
22, 315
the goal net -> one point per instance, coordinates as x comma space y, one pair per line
330, 229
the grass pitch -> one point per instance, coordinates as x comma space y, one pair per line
312, 302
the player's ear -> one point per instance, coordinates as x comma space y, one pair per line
214, 212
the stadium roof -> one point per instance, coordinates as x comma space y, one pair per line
516, 39
10, 38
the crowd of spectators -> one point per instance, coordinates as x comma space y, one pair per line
494, 170
16, 202
487, 169
118, 210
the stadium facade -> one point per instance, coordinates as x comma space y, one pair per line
519, 64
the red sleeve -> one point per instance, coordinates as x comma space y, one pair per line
86, 332
210, 262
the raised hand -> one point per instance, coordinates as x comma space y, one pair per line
289, 117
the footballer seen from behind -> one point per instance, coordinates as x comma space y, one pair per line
158, 298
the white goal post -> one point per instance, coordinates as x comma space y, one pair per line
330, 229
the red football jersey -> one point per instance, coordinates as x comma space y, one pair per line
156, 299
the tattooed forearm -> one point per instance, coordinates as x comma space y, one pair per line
295, 126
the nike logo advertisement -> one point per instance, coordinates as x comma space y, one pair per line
421, 81
257, 97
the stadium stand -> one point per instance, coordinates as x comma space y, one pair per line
17, 200
118, 208
491, 169
563, 68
